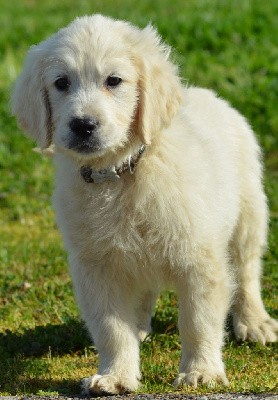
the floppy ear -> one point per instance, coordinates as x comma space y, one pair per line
30, 102
160, 89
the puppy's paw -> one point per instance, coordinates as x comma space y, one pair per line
104, 385
199, 376
256, 328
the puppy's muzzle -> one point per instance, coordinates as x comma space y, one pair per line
84, 137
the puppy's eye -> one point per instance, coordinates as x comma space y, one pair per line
113, 81
62, 84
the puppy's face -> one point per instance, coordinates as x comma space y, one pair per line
95, 86
92, 88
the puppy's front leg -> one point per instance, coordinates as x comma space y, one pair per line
204, 297
107, 304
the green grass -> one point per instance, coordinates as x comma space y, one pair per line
230, 46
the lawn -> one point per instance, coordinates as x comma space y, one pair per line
230, 46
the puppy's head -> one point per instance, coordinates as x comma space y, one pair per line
95, 86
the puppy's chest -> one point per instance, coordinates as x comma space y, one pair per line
114, 217
121, 222
107, 218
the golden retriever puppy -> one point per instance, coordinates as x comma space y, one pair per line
157, 185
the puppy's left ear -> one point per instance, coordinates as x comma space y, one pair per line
30, 102
160, 89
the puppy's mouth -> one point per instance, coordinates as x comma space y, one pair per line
85, 146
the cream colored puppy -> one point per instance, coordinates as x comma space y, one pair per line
157, 184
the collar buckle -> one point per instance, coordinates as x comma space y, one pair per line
130, 165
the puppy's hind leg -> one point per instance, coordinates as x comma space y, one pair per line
250, 319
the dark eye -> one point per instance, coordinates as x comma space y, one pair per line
62, 84
113, 81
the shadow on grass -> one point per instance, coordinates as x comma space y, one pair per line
15, 380
59, 339
21, 357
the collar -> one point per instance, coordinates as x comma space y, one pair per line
111, 173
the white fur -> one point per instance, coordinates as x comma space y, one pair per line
192, 216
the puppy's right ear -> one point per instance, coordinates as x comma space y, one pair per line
30, 102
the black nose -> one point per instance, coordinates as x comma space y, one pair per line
83, 126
